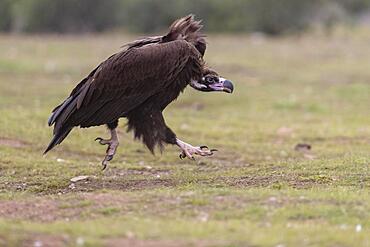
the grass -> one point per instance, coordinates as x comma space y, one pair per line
256, 191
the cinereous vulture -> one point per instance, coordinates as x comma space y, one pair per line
138, 83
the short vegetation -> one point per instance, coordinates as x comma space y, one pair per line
260, 189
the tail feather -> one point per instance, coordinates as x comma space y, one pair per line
58, 138
58, 110
59, 118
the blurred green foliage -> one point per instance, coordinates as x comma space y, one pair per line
268, 16
5, 15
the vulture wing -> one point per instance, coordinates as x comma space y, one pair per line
121, 83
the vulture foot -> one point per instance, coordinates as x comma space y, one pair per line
188, 150
112, 147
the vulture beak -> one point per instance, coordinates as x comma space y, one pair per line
222, 85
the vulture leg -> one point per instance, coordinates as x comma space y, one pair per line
189, 150
112, 143
149, 126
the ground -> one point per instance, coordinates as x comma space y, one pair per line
259, 189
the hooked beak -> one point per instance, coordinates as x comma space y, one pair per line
222, 85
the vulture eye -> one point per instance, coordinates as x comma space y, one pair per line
210, 80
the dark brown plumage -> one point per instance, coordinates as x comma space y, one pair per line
138, 83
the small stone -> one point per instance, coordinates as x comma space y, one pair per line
203, 217
130, 234
188, 193
80, 241
358, 228
37, 244
78, 178
272, 199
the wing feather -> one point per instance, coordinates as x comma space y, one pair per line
122, 82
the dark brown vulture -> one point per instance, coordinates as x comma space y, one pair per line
138, 83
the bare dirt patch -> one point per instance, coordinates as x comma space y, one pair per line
45, 240
145, 170
48, 209
12, 142
277, 181
43, 210
123, 242
118, 184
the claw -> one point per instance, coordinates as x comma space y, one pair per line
112, 147
106, 160
213, 150
190, 151
102, 141
104, 165
182, 156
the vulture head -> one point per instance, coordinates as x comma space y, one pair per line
188, 29
213, 83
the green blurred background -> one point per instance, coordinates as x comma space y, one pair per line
267, 16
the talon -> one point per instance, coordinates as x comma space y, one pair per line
213, 150
111, 149
190, 151
101, 141
104, 165
182, 155
106, 160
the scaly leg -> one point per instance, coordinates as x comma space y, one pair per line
188, 150
112, 146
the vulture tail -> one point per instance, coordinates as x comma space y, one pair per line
62, 113
58, 117
58, 138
